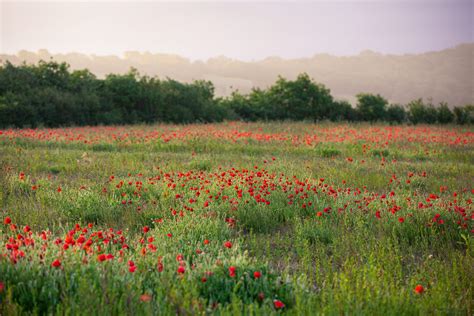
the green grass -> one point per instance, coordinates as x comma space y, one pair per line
344, 261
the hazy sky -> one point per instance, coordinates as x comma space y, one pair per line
243, 30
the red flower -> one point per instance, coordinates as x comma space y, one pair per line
206, 241
7, 220
102, 257
419, 289
181, 269
232, 271
257, 274
401, 219
319, 214
146, 229
278, 304
145, 298
56, 263
132, 269
228, 244
377, 214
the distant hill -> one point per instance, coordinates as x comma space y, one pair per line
446, 75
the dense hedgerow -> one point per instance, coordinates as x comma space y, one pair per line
49, 94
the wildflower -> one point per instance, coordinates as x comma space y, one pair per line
257, 274
419, 289
401, 219
145, 297
7, 220
181, 269
102, 257
278, 304
56, 263
228, 244
232, 271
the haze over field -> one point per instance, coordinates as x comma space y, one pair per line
400, 49
445, 75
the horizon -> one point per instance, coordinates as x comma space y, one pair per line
241, 31
123, 55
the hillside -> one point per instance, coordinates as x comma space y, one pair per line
446, 75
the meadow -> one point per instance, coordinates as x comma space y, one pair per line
237, 218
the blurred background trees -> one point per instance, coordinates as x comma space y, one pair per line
49, 94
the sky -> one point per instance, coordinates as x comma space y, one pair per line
240, 30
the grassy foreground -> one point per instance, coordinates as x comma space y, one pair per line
237, 218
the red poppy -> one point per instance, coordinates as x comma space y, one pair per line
145, 298
257, 274
232, 271
102, 257
228, 244
181, 269
7, 220
278, 304
56, 263
419, 289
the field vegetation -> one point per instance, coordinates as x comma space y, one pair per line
237, 218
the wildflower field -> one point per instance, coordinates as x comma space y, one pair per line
237, 218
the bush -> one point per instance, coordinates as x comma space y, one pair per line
371, 107
445, 115
396, 113
419, 112
49, 94
464, 115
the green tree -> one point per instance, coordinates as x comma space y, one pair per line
396, 113
342, 111
300, 99
371, 107
445, 115
464, 115
419, 112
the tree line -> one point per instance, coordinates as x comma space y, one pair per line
50, 94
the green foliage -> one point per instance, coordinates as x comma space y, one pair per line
396, 113
342, 111
445, 115
419, 112
464, 115
50, 94
371, 107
